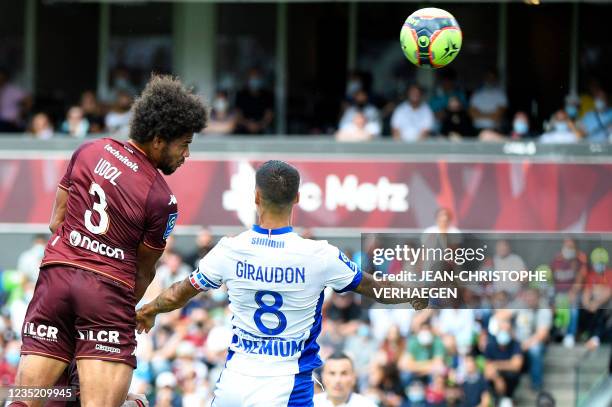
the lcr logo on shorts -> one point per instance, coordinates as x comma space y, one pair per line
41, 331
100, 336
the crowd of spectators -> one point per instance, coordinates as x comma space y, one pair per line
446, 111
435, 357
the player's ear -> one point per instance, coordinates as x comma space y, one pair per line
158, 143
257, 197
297, 199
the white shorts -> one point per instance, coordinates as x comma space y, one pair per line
237, 390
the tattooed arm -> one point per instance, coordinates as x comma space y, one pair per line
174, 297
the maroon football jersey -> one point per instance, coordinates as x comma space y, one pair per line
117, 199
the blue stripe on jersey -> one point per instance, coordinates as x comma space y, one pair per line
205, 281
309, 359
279, 231
303, 391
230, 355
354, 284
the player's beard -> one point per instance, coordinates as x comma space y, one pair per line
167, 164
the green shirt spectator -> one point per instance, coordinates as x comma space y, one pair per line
425, 354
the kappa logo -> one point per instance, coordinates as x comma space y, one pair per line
106, 348
173, 200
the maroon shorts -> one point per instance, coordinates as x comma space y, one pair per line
77, 314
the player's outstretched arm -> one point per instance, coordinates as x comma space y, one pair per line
369, 285
175, 296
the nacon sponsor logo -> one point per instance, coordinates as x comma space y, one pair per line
85, 242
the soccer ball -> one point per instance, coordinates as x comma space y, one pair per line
431, 38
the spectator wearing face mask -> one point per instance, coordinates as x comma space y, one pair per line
596, 297
569, 269
562, 130
596, 125
362, 105
520, 130
572, 106
520, 127
222, 118
504, 361
254, 106
416, 393
424, 357
456, 123
413, 119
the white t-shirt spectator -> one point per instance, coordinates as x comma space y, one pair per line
355, 400
510, 262
381, 320
460, 323
557, 136
352, 133
529, 321
411, 122
29, 261
371, 114
487, 100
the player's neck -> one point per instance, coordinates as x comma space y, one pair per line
142, 147
269, 220
271, 223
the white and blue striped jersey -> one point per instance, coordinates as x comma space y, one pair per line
275, 281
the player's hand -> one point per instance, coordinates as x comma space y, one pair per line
144, 320
419, 303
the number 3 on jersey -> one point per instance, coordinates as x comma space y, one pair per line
100, 208
269, 309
